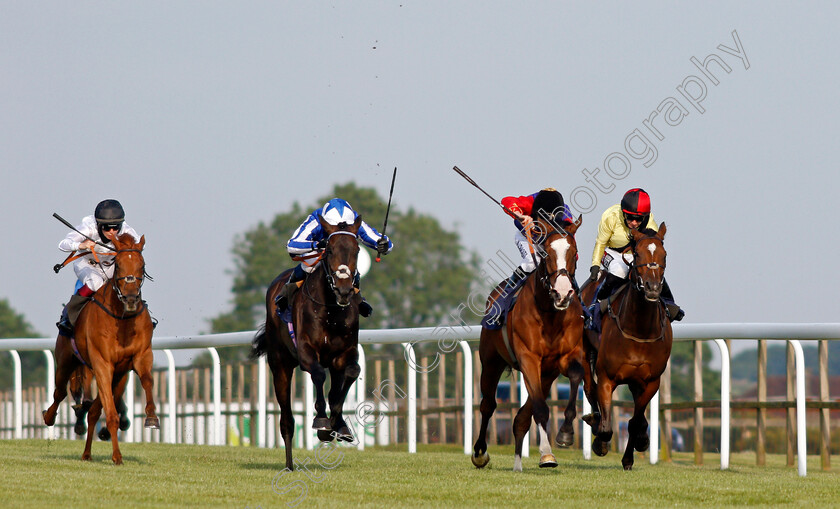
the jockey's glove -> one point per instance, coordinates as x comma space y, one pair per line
321, 244
382, 245
593, 272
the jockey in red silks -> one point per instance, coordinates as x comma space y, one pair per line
310, 240
547, 204
93, 271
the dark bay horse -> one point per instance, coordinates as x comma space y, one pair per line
635, 344
325, 317
113, 335
545, 328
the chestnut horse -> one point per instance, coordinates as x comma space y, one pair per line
325, 317
113, 335
80, 389
635, 344
545, 328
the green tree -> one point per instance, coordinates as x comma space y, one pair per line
14, 325
427, 275
682, 372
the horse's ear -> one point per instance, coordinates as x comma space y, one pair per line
142, 242
357, 223
661, 232
573, 227
637, 235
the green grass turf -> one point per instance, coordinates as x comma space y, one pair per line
41, 473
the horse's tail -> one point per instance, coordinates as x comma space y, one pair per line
259, 345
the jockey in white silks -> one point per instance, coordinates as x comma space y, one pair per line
309, 240
106, 223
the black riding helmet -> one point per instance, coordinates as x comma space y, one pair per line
548, 204
108, 212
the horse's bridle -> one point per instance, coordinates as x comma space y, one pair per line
131, 278
637, 282
545, 279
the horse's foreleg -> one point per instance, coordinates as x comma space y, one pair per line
603, 432
566, 433
107, 382
537, 385
143, 368
65, 364
309, 363
492, 368
521, 424
637, 435
338, 394
93, 416
283, 390
119, 403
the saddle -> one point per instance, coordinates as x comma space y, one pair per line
494, 318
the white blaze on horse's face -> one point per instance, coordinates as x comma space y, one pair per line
652, 248
343, 272
562, 285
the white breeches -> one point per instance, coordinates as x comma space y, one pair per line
92, 274
527, 263
314, 255
616, 264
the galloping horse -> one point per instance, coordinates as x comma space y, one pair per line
113, 335
80, 389
635, 344
545, 328
325, 334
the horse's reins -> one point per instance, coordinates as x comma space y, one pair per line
638, 285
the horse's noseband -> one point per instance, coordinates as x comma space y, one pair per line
342, 271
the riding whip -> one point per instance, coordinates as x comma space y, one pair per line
497, 202
58, 266
388, 210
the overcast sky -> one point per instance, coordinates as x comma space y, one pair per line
205, 117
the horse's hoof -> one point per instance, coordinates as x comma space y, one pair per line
125, 423
321, 423
627, 466
325, 435
80, 428
480, 461
548, 461
104, 434
344, 434
86, 456
642, 443
152, 423
117, 461
590, 419
600, 448
565, 439
76, 407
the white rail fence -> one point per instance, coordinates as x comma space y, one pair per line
448, 339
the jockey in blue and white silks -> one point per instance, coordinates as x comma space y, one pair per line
309, 240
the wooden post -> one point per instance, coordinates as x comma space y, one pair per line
442, 399
698, 397
253, 409
228, 400
160, 378
665, 398
825, 423
424, 401
761, 420
392, 402
476, 386
182, 403
459, 397
240, 400
790, 421
206, 399
553, 421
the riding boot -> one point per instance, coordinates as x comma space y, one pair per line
365, 309
675, 314
70, 314
608, 286
515, 280
287, 293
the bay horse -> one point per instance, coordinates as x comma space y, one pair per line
113, 335
325, 320
634, 345
545, 328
